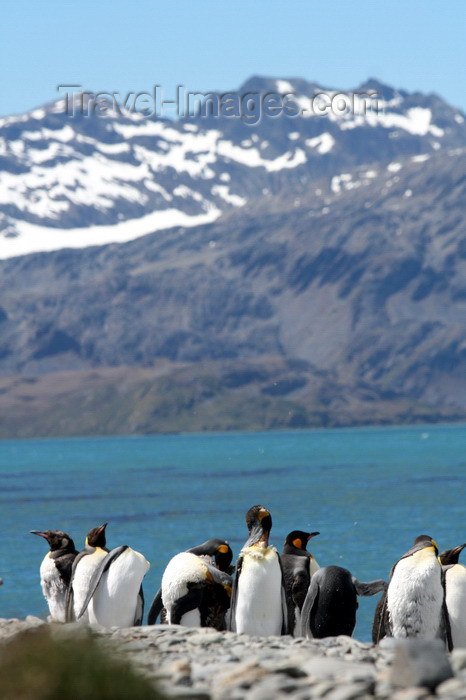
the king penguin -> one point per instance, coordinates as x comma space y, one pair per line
186, 591
114, 596
331, 602
258, 604
298, 566
414, 603
216, 598
83, 567
55, 571
455, 593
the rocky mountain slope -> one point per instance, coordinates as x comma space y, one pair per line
335, 301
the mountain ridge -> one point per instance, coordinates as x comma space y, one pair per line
74, 181
334, 295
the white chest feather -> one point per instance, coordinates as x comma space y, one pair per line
53, 588
456, 603
82, 578
182, 569
415, 596
115, 601
259, 602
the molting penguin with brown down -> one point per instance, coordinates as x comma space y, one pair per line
298, 567
191, 587
258, 605
414, 603
210, 600
55, 571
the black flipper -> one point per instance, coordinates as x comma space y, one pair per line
155, 608
234, 595
69, 600
445, 621
185, 604
312, 597
139, 615
381, 624
69, 604
369, 587
283, 600
98, 573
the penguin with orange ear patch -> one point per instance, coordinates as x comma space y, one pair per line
414, 603
84, 565
298, 566
210, 601
258, 603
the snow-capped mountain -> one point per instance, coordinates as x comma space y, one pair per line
76, 181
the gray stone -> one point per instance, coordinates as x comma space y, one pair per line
204, 640
452, 688
411, 694
458, 659
419, 662
333, 668
350, 691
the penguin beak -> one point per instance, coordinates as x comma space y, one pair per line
41, 534
312, 534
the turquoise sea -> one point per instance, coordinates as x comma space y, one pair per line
368, 491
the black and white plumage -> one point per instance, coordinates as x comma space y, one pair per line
258, 605
83, 568
106, 587
189, 585
414, 603
215, 598
298, 567
455, 593
331, 602
115, 597
55, 571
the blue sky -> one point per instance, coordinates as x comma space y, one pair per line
108, 45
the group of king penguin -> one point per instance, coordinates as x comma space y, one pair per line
95, 586
265, 594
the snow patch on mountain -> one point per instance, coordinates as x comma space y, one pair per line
252, 158
33, 238
323, 143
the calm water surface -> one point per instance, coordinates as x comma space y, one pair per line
369, 492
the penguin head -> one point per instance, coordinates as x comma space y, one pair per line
218, 549
259, 522
297, 540
223, 556
425, 541
420, 543
96, 537
451, 556
56, 539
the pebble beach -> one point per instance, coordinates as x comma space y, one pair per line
204, 664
